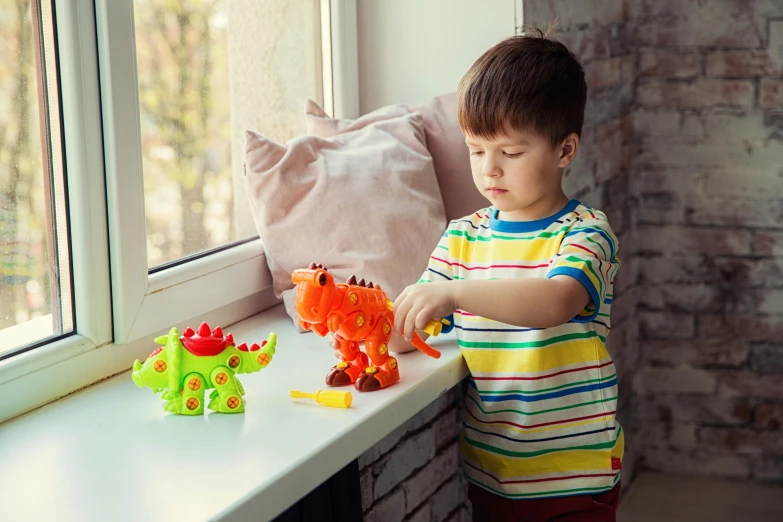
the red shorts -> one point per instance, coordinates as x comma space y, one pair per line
578, 508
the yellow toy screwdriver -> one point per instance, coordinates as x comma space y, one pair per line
333, 398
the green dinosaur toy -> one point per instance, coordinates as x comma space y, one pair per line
185, 367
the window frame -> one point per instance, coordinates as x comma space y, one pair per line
119, 305
142, 302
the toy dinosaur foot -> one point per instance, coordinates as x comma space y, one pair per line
373, 378
368, 381
174, 406
343, 373
231, 404
338, 377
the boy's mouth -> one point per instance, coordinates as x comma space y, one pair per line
496, 191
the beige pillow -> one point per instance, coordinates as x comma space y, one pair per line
445, 142
363, 201
450, 156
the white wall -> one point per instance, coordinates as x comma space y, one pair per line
412, 50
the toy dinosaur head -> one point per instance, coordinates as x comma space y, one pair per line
315, 293
162, 367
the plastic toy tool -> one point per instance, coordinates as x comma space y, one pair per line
433, 328
188, 365
353, 312
333, 398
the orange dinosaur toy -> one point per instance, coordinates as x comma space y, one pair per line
353, 312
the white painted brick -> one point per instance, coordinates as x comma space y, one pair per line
382, 447
365, 482
656, 123
447, 499
409, 456
432, 410
423, 514
425, 416
664, 435
424, 483
390, 509
674, 380
696, 463
446, 427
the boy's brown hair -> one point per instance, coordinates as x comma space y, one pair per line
529, 81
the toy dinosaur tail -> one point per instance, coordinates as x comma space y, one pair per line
419, 344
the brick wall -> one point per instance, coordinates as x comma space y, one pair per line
708, 175
698, 195
600, 33
414, 474
683, 149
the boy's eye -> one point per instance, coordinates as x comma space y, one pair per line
512, 156
476, 152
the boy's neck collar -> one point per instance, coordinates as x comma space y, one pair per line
500, 225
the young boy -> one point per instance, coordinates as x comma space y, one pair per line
529, 281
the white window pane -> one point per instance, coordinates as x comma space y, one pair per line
209, 69
35, 281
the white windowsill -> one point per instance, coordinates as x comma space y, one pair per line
110, 452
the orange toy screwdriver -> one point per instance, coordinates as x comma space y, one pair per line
433, 328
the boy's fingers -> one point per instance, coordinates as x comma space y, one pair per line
399, 301
422, 318
401, 311
410, 323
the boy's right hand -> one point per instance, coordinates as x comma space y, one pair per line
335, 346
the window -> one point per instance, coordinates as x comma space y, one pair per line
35, 272
198, 90
179, 100
121, 169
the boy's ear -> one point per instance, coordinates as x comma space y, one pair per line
568, 150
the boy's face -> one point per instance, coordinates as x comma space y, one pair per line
520, 172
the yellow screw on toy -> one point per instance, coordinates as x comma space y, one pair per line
332, 398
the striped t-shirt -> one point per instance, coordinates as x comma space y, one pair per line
540, 411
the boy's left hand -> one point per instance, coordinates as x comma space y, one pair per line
420, 303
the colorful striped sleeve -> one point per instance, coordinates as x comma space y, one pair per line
588, 253
439, 266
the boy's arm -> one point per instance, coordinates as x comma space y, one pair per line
574, 289
532, 303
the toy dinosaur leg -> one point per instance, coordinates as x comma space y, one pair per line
353, 363
239, 387
383, 371
191, 400
228, 399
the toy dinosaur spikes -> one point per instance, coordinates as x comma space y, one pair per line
242, 347
203, 330
361, 282
369, 285
351, 280
312, 266
217, 332
230, 339
255, 348
188, 332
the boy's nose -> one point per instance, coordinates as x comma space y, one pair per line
491, 169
